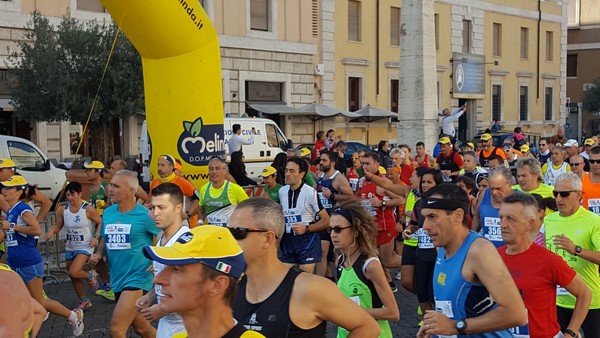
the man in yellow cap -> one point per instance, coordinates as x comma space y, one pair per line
166, 166
98, 194
587, 146
269, 179
489, 150
199, 281
448, 160
525, 151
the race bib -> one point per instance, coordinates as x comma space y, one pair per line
445, 307
325, 201
424, 240
520, 331
11, 238
75, 235
117, 236
368, 206
491, 229
291, 217
217, 220
353, 183
594, 205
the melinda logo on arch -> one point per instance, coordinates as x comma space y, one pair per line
198, 142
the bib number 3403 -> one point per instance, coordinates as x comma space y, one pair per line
117, 236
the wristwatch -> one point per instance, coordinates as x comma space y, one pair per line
98, 236
11, 227
383, 203
578, 250
460, 326
570, 333
307, 229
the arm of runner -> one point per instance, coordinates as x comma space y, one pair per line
93, 214
140, 193
389, 311
97, 256
583, 298
399, 189
33, 226
343, 186
563, 242
59, 223
45, 203
201, 215
4, 206
318, 297
146, 300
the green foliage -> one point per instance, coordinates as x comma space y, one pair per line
591, 98
58, 70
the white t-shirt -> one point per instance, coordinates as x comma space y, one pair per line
299, 206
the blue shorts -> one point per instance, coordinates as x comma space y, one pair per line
29, 273
304, 249
70, 255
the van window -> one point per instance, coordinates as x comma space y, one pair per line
25, 156
282, 140
272, 135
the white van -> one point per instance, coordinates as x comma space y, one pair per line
268, 142
33, 164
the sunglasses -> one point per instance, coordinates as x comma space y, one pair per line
241, 233
542, 144
576, 164
594, 161
563, 194
337, 229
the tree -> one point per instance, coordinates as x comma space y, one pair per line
591, 98
58, 70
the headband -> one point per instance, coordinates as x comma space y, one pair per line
343, 213
168, 158
443, 204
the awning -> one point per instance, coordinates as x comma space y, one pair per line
276, 109
5, 104
326, 111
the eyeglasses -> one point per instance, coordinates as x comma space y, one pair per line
594, 161
542, 144
576, 164
563, 194
337, 229
241, 233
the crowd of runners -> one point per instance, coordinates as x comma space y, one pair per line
494, 241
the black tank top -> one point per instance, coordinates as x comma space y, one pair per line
485, 161
271, 317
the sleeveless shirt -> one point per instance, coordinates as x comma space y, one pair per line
490, 222
323, 182
79, 229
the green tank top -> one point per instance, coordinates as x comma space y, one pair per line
98, 198
410, 204
273, 193
212, 204
354, 284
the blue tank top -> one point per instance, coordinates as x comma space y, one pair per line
21, 248
489, 220
323, 182
458, 298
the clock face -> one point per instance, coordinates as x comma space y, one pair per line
460, 325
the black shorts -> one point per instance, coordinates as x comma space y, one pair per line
408, 254
424, 280
127, 288
325, 235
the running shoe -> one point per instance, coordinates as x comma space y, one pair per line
105, 292
393, 287
85, 305
77, 323
93, 282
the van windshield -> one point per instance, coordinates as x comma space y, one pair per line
25, 156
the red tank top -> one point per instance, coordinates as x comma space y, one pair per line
353, 178
425, 162
384, 215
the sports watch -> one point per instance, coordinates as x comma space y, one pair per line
578, 250
460, 326
570, 333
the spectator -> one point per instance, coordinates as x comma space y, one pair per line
448, 121
236, 141
342, 164
319, 146
330, 140
559, 137
519, 137
383, 150
237, 169
496, 127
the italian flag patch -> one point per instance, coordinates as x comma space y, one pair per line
223, 267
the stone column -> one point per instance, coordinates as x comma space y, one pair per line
417, 111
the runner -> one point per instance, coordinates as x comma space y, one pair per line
167, 204
470, 168
574, 234
556, 166
8, 169
480, 301
77, 217
485, 213
577, 165
301, 206
20, 229
281, 301
422, 159
269, 179
355, 172
218, 197
489, 150
360, 275
332, 187
544, 150
537, 272
199, 282
448, 160
401, 159
591, 183
126, 229
117, 165
529, 177
166, 166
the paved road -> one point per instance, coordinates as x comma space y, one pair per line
97, 318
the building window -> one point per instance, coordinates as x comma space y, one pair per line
466, 35
548, 106
496, 102
259, 91
90, 5
395, 26
315, 18
437, 31
523, 103
572, 65
354, 93
259, 15
524, 43
354, 20
497, 40
394, 92
549, 45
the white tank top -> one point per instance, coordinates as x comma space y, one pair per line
79, 229
552, 174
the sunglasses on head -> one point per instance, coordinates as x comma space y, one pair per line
241, 233
337, 229
594, 161
563, 194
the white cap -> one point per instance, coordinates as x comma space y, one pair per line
571, 143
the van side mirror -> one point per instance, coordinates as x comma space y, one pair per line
47, 165
290, 144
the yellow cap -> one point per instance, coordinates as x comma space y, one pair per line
304, 152
486, 137
94, 165
524, 148
16, 181
588, 142
268, 171
211, 245
444, 140
382, 170
7, 163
